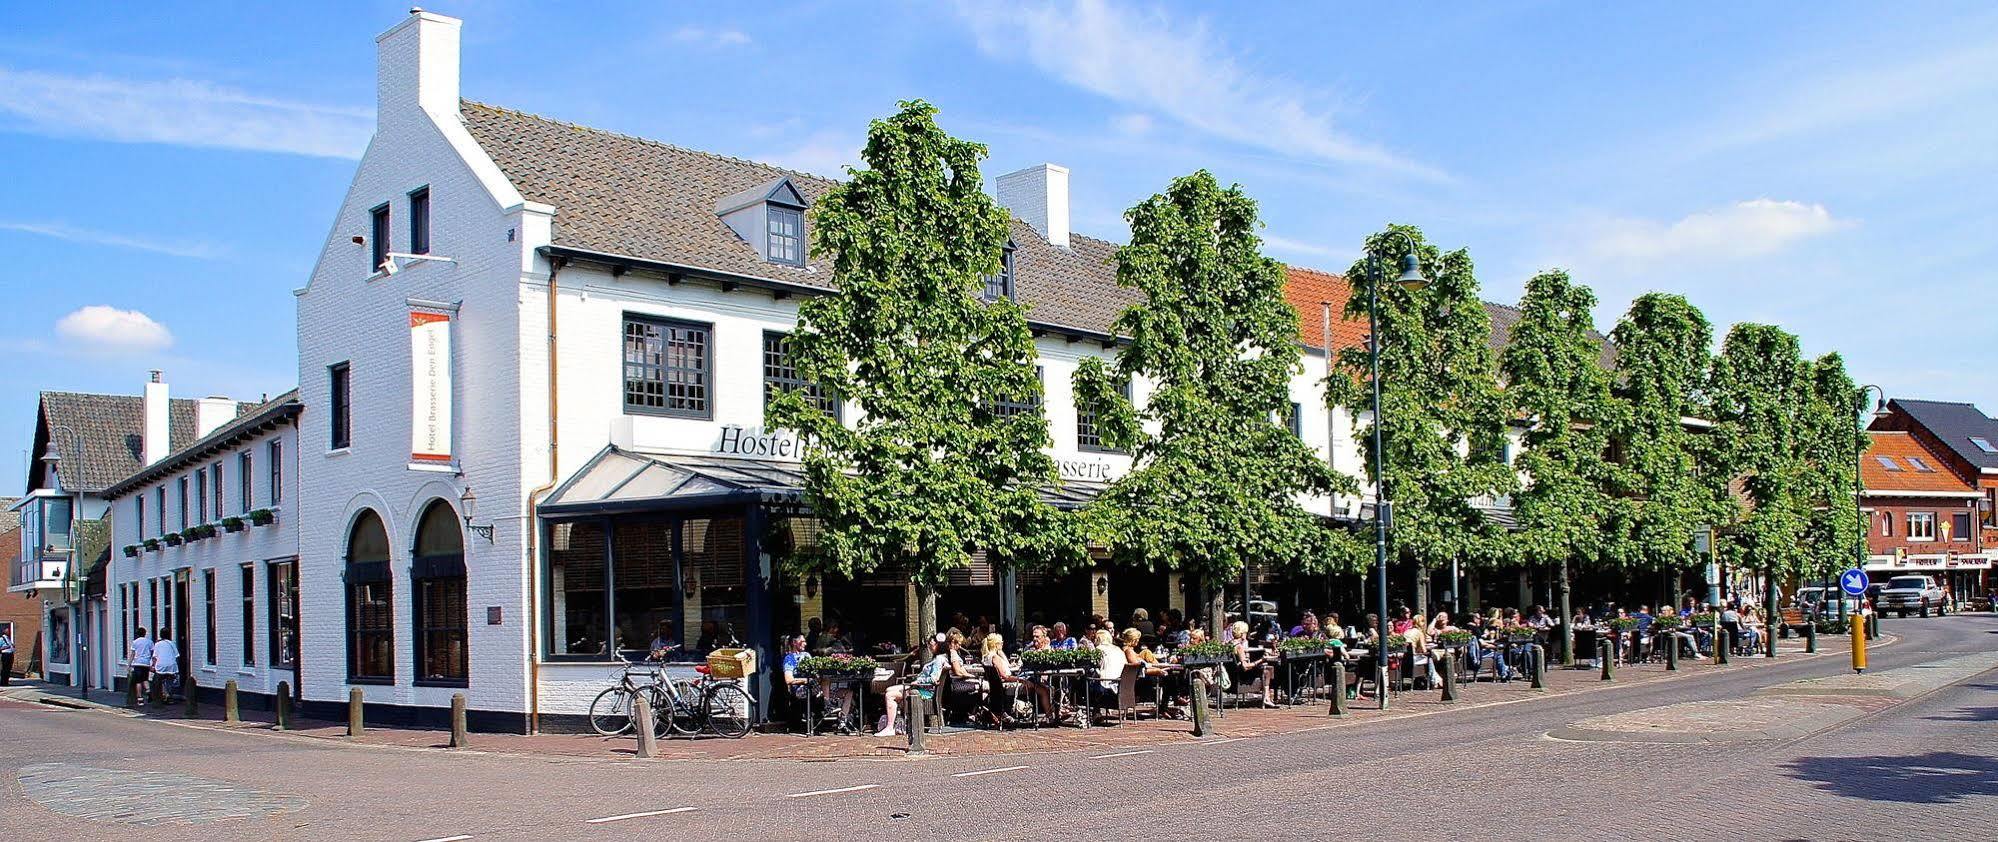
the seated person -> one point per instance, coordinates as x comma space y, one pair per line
1058, 636
664, 642
1109, 672
993, 658
1245, 668
801, 686
924, 687
1307, 626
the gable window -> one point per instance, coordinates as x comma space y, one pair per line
277, 471
1009, 407
437, 598
780, 374
1000, 285
1959, 526
339, 390
246, 595
419, 221
1921, 526
787, 236
378, 238
243, 482
370, 613
667, 367
1087, 436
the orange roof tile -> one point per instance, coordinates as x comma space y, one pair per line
1307, 290
1905, 452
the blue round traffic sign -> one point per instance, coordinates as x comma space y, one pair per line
1853, 582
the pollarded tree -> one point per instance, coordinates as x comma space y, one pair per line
931, 470
1759, 387
1555, 384
1216, 487
1832, 443
1444, 429
1659, 496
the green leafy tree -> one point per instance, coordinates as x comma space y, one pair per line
1760, 385
1216, 486
1660, 493
1832, 443
1556, 385
931, 470
1443, 430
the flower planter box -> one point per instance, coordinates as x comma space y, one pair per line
173, 540
1204, 660
131, 550
233, 524
152, 545
263, 517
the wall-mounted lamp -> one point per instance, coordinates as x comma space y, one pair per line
1102, 584
812, 585
468, 503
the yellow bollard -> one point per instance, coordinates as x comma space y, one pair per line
1858, 643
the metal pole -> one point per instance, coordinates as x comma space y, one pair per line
1858, 498
1380, 487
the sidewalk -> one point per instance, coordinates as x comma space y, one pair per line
1234, 723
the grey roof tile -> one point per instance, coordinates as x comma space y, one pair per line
109, 432
1954, 424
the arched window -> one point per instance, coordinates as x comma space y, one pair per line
437, 598
370, 618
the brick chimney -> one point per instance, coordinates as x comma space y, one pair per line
154, 435
1038, 195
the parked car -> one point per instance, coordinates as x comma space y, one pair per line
1813, 601
1911, 593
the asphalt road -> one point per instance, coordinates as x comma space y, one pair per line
1923, 769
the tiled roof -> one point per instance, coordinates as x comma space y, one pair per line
1902, 449
248, 416
1954, 424
110, 432
621, 195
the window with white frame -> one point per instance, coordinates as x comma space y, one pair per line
787, 235
1921, 526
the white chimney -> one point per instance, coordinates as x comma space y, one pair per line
1038, 195
153, 432
212, 412
417, 64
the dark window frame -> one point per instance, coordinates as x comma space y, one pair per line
183, 502
340, 405
215, 489
774, 213
246, 599
208, 610
139, 516
159, 502
378, 237
201, 495
419, 220
698, 399
246, 492
1002, 284
369, 584
448, 570
780, 373
1009, 407
282, 599
277, 471
1087, 438
1960, 526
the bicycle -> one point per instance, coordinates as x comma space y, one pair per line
610, 712
680, 707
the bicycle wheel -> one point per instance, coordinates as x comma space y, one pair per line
678, 710
727, 707
610, 714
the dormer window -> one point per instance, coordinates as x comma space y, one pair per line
1000, 285
770, 217
787, 235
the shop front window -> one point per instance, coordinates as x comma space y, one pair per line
437, 593
577, 589
370, 617
647, 605
615, 594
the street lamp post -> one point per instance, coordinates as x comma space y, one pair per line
1859, 490
1411, 278
72, 587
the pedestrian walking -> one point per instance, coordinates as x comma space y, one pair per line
139, 656
6, 656
166, 665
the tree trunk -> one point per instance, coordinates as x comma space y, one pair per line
1422, 589
1774, 622
926, 614
1216, 602
1566, 618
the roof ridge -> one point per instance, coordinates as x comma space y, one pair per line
462, 102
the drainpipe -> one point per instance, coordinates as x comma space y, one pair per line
533, 503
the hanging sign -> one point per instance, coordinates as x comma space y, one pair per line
430, 386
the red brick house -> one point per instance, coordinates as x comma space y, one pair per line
1941, 497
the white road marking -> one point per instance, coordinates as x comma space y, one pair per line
626, 816
1122, 754
832, 791
990, 771
1220, 741
459, 838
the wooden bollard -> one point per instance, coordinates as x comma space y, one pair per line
458, 729
354, 710
230, 712
641, 716
1339, 688
1201, 726
282, 706
1447, 666
190, 694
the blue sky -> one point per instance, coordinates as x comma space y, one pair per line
1831, 167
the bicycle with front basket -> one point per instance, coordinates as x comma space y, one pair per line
720, 706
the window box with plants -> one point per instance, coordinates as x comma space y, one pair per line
1045, 660
131, 550
234, 524
263, 517
1454, 638
836, 666
152, 545
1302, 648
173, 539
1704, 619
1203, 654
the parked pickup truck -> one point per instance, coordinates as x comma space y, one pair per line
1911, 593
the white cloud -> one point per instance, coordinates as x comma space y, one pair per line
73, 234
821, 153
1146, 60
1752, 228
1132, 124
711, 37
180, 112
102, 329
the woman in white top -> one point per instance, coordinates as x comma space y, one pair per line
1246, 666
927, 678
